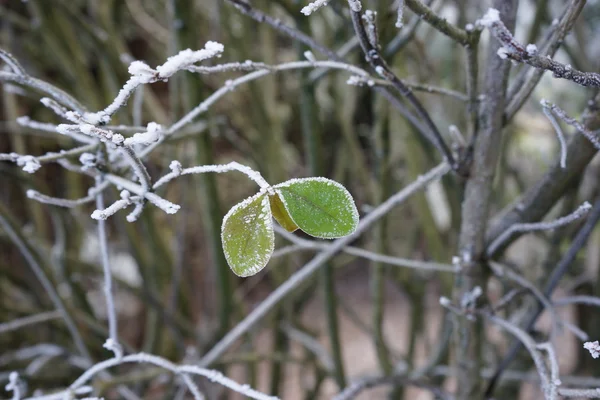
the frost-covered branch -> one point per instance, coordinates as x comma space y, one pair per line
515, 51
439, 23
112, 343
539, 226
313, 6
31, 163
56, 201
30, 320
560, 113
181, 370
368, 255
559, 133
177, 170
142, 74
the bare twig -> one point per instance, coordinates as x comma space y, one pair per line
376, 60
581, 212
529, 54
30, 320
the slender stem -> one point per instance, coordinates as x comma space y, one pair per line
113, 337
378, 63
561, 268
9, 227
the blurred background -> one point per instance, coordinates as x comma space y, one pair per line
174, 293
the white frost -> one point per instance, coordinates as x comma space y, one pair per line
186, 58
314, 6
531, 49
152, 135
502, 53
355, 5
491, 17
29, 163
593, 348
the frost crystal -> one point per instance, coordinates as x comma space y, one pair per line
29, 163
490, 18
593, 348
314, 6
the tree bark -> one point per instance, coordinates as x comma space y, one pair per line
475, 211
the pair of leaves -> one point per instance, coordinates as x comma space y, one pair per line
318, 206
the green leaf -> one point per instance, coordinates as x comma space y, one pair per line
280, 213
320, 207
247, 235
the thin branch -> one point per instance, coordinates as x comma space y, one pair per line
361, 385
38, 271
30, 320
559, 134
581, 299
561, 268
44, 87
529, 54
526, 340
177, 170
355, 5
374, 58
113, 339
56, 201
366, 254
581, 212
182, 370
526, 81
441, 24
560, 113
